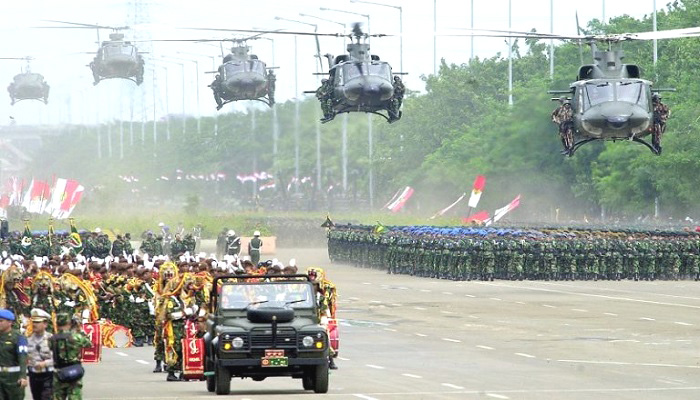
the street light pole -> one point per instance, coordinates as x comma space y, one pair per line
199, 113
400, 25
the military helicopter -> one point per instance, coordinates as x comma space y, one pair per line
610, 100
357, 81
27, 85
116, 57
243, 76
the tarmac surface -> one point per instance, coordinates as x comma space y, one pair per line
405, 337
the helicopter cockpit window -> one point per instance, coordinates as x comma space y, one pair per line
257, 66
631, 92
381, 70
352, 70
231, 69
117, 50
599, 93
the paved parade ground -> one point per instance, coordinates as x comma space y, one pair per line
404, 337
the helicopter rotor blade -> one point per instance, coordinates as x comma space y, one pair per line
278, 32
580, 48
82, 25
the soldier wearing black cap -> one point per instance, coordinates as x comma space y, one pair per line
13, 359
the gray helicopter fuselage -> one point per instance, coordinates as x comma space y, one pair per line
245, 79
362, 84
612, 108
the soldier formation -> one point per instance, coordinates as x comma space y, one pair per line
516, 254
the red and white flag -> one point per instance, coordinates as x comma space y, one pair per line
39, 191
77, 195
448, 208
501, 212
400, 201
63, 197
481, 216
478, 187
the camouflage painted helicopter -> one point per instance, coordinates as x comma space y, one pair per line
356, 82
27, 85
609, 100
116, 57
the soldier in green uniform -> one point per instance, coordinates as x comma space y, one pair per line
13, 359
254, 247
118, 247
66, 346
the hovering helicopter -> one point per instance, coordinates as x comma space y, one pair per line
609, 100
116, 57
243, 76
357, 81
27, 85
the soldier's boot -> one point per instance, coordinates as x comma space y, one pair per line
636, 276
159, 366
490, 277
697, 277
331, 363
171, 377
595, 277
138, 341
150, 340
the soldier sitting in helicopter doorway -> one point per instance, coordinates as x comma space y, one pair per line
271, 82
661, 114
324, 94
396, 100
564, 117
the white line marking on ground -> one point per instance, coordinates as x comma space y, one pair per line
375, 301
362, 396
412, 376
451, 340
579, 310
469, 295
420, 334
473, 317
647, 319
119, 353
683, 323
374, 366
610, 314
343, 359
396, 304
661, 303
426, 290
497, 396
366, 283
484, 347
548, 306
495, 298
683, 340
447, 312
419, 308
353, 298
624, 340
451, 386
390, 330
630, 363
519, 302
525, 355
447, 293
142, 362
402, 288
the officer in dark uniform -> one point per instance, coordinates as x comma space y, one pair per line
13, 359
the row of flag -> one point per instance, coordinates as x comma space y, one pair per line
254, 177
213, 177
58, 200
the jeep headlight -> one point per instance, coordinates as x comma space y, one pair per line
307, 341
237, 342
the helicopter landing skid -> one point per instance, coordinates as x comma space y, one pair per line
387, 117
654, 149
576, 145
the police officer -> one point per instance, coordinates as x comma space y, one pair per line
66, 345
13, 359
233, 243
254, 247
40, 359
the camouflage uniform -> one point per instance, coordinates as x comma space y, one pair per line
66, 346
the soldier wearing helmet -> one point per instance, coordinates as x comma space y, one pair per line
564, 117
661, 114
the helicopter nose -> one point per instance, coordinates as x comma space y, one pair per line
618, 121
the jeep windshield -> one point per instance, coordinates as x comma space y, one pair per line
271, 294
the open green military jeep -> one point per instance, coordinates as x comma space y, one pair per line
265, 325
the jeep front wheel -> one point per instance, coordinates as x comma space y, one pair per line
308, 382
321, 379
222, 380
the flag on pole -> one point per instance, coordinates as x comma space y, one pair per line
26, 239
448, 208
501, 212
477, 188
400, 201
481, 216
379, 229
74, 240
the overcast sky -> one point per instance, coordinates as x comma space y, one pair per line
61, 54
